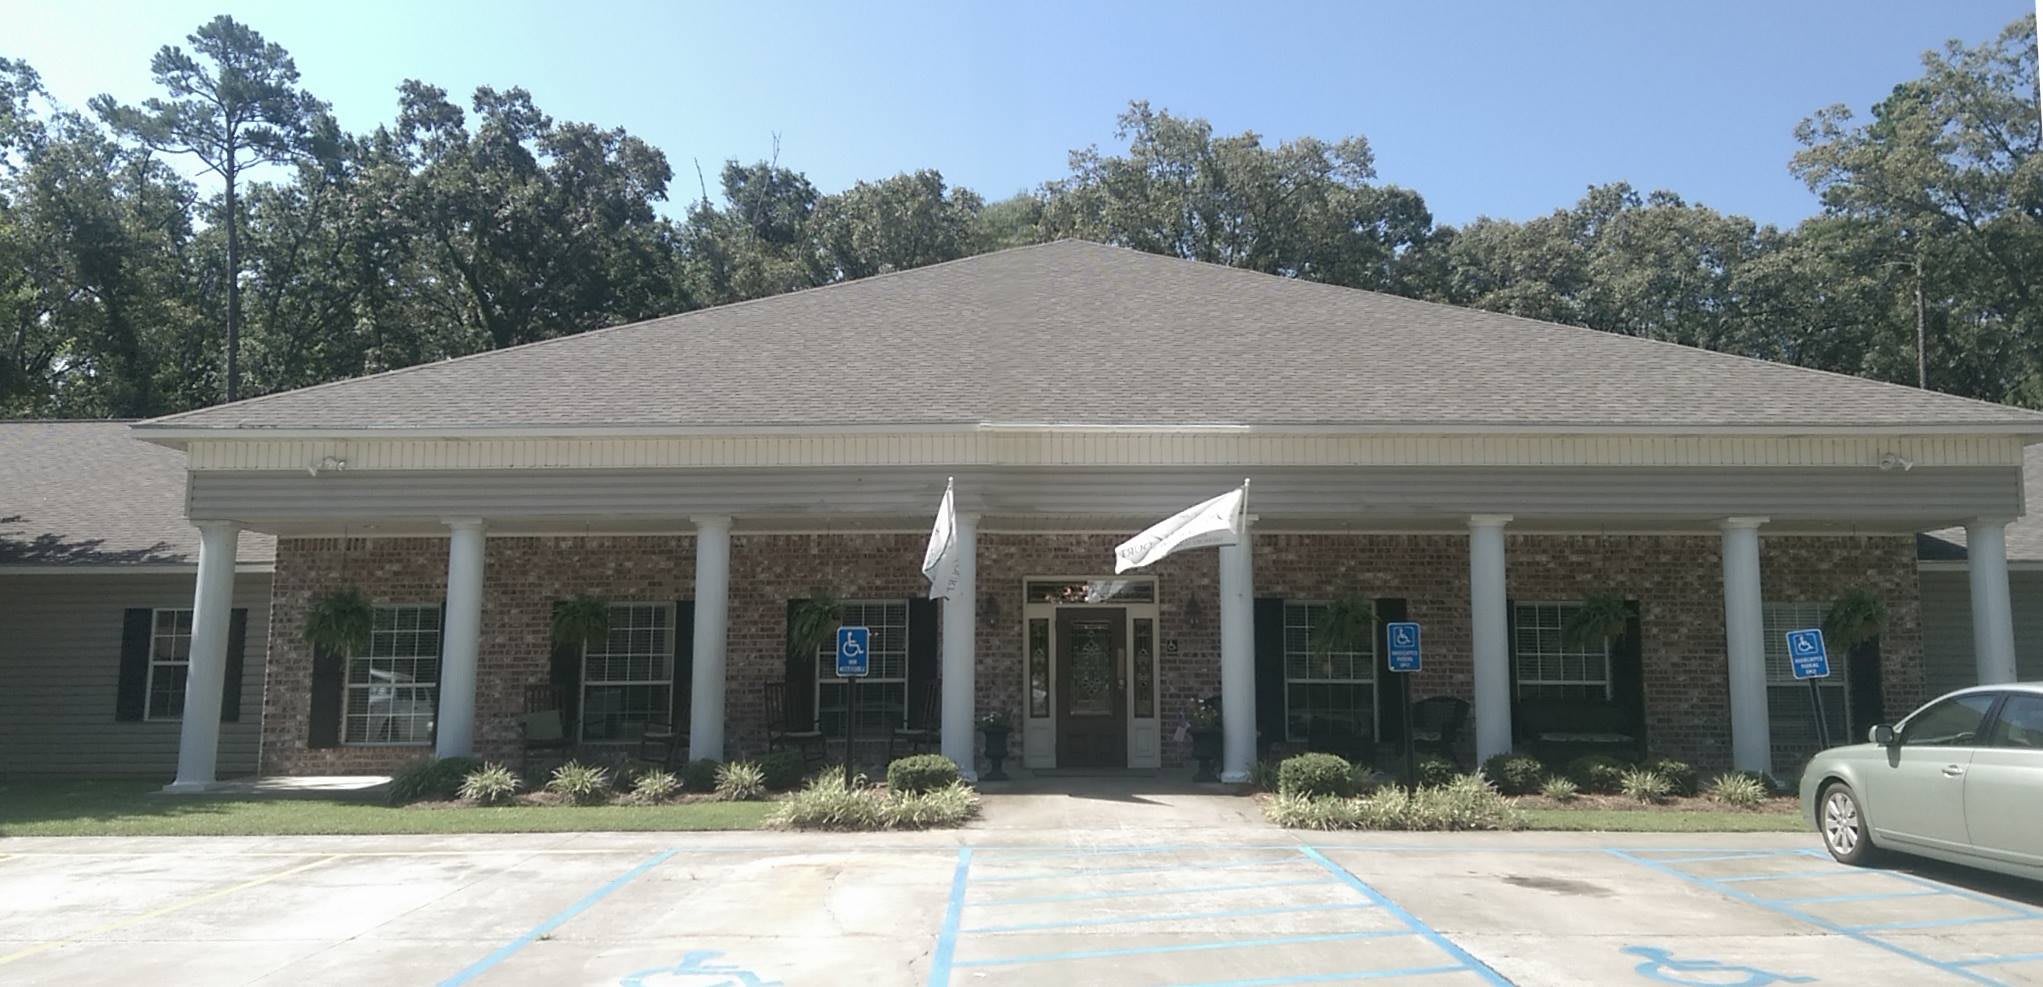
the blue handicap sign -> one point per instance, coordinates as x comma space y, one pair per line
1403, 637
854, 652
1806, 654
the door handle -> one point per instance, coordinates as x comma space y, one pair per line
1953, 771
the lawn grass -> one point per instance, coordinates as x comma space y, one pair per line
125, 808
1664, 820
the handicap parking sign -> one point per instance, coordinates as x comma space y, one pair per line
1807, 655
854, 652
1403, 637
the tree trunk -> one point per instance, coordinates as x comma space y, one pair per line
233, 290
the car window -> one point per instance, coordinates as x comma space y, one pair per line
1952, 722
2020, 723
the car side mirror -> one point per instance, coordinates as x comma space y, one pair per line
1882, 734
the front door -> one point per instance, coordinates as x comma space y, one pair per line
1092, 708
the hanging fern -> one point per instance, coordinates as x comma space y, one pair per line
1601, 619
338, 622
812, 623
1856, 617
580, 620
1346, 625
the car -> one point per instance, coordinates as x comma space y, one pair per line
1960, 780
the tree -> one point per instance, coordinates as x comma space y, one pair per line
234, 106
894, 224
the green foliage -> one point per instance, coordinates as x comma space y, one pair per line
431, 779
952, 805
1601, 619
1465, 802
1598, 773
1644, 785
1856, 617
1560, 788
339, 622
740, 781
491, 784
1514, 774
1264, 776
782, 770
826, 802
1312, 775
918, 773
1680, 775
1736, 789
811, 623
580, 784
580, 620
1346, 625
652, 787
1436, 770
699, 775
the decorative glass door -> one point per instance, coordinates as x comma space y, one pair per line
1092, 677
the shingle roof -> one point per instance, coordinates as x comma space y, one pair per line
90, 493
1078, 333
2025, 536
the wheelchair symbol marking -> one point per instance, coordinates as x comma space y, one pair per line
1660, 965
696, 964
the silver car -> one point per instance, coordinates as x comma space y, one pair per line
1961, 779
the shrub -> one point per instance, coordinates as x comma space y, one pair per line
1465, 802
1311, 775
783, 769
1644, 785
1435, 770
1737, 789
654, 786
699, 776
580, 784
491, 784
1514, 774
950, 805
826, 802
1315, 812
740, 781
919, 773
1599, 773
1679, 774
1560, 788
430, 778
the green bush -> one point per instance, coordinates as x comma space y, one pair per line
1679, 774
580, 784
826, 802
1644, 785
1560, 788
1466, 802
1311, 775
1599, 773
699, 776
950, 805
1321, 812
1264, 777
783, 770
434, 779
919, 773
740, 781
1435, 770
1740, 789
653, 787
491, 784
1514, 774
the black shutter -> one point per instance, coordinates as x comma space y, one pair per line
684, 665
1511, 662
131, 696
1862, 681
1396, 686
801, 678
237, 642
329, 678
1269, 631
925, 662
1628, 675
564, 674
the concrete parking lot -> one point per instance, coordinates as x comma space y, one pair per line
996, 906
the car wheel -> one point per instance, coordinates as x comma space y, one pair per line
1843, 825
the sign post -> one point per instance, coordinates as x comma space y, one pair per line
1811, 662
1402, 653
854, 662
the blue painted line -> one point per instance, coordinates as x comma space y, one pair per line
1938, 923
1426, 931
1973, 896
1726, 856
953, 913
1117, 871
509, 949
1030, 853
1723, 887
1173, 917
2015, 958
1144, 892
1839, 871
1190, 947
1833, 898
1320, 978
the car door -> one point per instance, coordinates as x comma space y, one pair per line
2004, 784
1916, 793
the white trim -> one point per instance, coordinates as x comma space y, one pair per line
149, 679
672, 656
1144, 747
1375, 685
1519, 681
349, 687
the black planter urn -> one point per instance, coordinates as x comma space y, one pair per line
1206, 748
996, 752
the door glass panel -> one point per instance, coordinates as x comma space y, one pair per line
2020, 723
1039, 667
1954, 722
1092, 675
1145, 668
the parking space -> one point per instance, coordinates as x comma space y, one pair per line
745, 909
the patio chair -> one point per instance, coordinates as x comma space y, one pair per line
1436, 724
920, 733
545, 727
782, 734
659, 742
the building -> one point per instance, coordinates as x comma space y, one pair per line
97, 563
1947, 594
704, 473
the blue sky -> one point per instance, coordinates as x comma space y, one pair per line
1488, 108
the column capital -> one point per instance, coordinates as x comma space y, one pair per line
462, 523
710, 522
215, 524
1488, 520
1994, 521
1731, 523
967, 517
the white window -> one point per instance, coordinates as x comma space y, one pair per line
170, 654
1550, 665
1790, 719
629, 678
1330, 696
394, 690
883, 694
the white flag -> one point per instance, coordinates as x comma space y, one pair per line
1214, 522
940, 560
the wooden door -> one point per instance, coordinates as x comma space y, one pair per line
1092, 687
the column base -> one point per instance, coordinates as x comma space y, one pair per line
190, 788
1234, 777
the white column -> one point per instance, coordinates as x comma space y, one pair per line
1238, 658
1489, 634
460, 639
712, 599
198, 741
960, 654
1745, 646
1993, 623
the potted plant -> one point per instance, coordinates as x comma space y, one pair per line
994, 726
811, 624
1202, 721
338, 622
1602, 618
1855, 618
1346, 625
580, 621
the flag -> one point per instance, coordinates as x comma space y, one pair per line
940, 560
1214, 522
